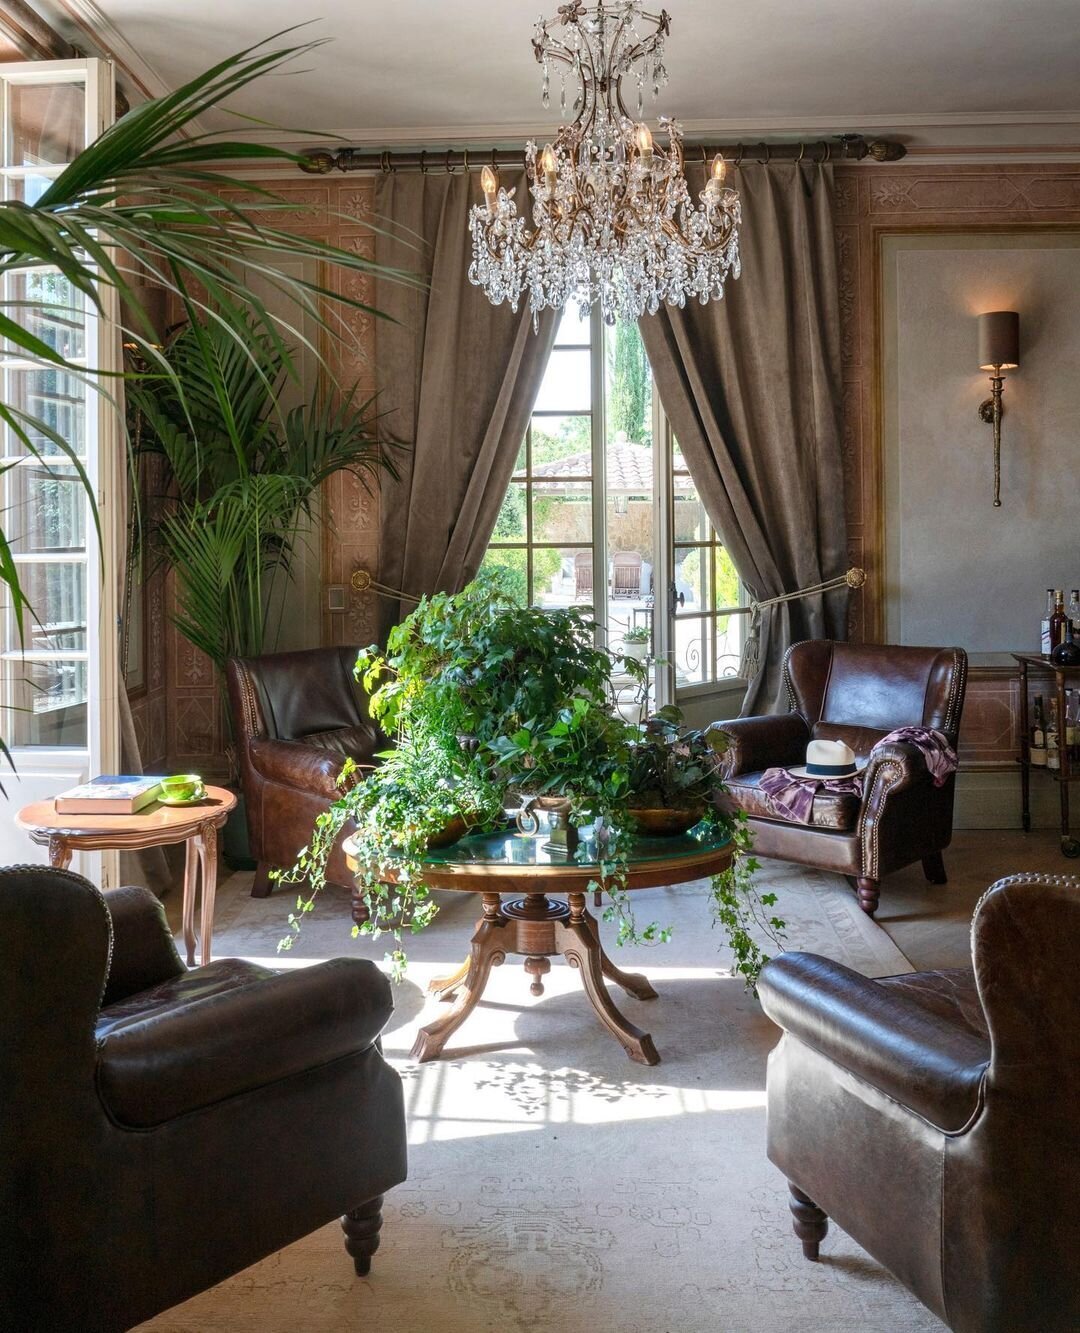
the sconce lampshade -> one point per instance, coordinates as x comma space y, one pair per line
999, 340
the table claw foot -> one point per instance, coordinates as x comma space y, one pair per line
580, 948
488, 951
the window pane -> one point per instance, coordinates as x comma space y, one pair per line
728, 646
725, 579
514, 564
562, 446
629, 385
28, 189
510, 525
46, 123
54, 397
48, 703
56, 592
522, 458
562, 512
690, 653
48, 306
567, 383
46, 509
572, 328
553, 577
692, 579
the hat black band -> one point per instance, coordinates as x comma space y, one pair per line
831, 770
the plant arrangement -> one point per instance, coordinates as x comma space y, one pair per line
490, 703
637, 634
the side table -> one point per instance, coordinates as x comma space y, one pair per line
1069, 771
156, 826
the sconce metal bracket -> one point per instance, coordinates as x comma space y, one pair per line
986, 411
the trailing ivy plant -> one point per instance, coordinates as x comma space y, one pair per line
490, 703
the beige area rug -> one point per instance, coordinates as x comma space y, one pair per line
554, 1185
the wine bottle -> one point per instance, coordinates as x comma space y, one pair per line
1044, 638
1037, 754
1058, 620
1074, 611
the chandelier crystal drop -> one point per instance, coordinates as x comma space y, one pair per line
613, 220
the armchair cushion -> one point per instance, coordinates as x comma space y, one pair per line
310, 768
143, 952
230, 1028
836, 810
882, 1034
757, 743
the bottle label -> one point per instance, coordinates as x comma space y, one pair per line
1045, 638
1038, 758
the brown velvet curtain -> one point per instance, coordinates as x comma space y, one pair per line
458, 378
751, 385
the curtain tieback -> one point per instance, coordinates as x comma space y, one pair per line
750, 662
361, 581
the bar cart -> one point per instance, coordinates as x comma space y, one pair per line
1070, 770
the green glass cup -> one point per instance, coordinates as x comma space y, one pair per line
183, 787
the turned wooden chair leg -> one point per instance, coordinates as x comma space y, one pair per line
934, 868
810, 1223
263, 885
361, 1227
869, 891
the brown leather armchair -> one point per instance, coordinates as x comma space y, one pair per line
856, 693
162, 1129
936, 1116
296, 718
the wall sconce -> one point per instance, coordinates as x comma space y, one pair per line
999, 349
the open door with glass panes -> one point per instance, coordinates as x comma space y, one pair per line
59, 669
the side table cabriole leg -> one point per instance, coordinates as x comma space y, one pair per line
640, 987
191, 876
59, 852
579, 945
445, 987
488, 950
207, 840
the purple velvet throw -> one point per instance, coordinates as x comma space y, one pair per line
792, 797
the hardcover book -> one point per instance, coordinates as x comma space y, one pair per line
112, 794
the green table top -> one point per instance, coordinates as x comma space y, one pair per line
506, 847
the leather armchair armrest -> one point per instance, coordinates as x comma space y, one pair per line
910, 1055
179, 1060
294, 764
892, 768
757, 743
143, 952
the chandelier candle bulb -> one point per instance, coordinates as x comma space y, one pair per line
613, 222
489, 183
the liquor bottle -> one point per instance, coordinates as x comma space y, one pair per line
1053, 751
1037, 755
1071, 699
1044, 638
1058, 620
1074, 611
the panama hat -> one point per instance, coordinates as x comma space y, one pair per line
827, 759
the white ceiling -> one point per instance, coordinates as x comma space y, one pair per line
444, 71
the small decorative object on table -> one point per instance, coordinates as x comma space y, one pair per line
182, 789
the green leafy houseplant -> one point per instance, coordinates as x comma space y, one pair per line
244, 478
152, 204
489, 702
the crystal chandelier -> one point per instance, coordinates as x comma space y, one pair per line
612, 214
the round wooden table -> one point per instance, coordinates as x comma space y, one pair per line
156, 825
540, 926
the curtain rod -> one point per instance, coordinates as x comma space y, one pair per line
842, 148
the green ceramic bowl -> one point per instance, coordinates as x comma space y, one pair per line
183, 787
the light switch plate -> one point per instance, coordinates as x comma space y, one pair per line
335, 597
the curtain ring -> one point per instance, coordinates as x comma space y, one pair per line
703, 162
423, 163
739, 150
494, 164
466, 152
449, 169
802, 152
825, 154
768, 155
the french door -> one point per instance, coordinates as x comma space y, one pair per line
59, 670
602, 510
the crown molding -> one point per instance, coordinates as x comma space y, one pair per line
99, 32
